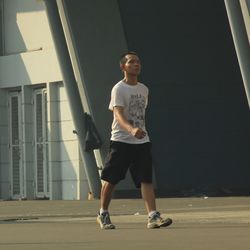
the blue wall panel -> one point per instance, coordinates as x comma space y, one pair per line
198, 114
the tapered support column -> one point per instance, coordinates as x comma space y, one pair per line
241, 42
70, 84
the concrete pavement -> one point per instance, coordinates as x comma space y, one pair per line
199, 223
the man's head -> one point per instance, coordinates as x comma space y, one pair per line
130, 63
123, 57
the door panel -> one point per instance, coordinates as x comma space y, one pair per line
17, 178
41, 143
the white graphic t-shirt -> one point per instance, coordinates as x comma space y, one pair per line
134, 99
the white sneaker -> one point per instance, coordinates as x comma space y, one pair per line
156, 221
104, 221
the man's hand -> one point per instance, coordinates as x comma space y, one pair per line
124, 123
138, 133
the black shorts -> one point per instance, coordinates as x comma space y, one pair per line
123, 156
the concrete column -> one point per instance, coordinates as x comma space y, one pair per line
241, 42
70, 84
1, 29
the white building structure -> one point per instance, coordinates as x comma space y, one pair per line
59, 60
39, 154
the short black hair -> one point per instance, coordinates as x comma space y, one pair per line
123, 58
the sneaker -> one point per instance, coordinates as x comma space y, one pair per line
104, 221
155, 221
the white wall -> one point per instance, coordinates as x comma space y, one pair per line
25, 26
30, 59
29, 51
64, 148
69, 149
29, 68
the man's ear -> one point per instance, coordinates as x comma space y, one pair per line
122, 67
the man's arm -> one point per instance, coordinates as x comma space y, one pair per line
124, 123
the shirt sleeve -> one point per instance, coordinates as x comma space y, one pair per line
117, 99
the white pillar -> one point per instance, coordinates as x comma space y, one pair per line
241, 42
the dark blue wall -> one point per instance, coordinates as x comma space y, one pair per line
198, 118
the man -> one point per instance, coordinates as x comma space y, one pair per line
130, 147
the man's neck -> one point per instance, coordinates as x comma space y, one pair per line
130, 80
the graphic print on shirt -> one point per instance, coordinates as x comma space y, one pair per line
136, 110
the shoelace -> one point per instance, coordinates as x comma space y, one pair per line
106, 219
156, 215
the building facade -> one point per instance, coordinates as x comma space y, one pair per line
198, 116
39, 156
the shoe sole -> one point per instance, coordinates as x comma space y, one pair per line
166, 224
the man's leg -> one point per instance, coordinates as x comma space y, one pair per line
106, 194
103, 216
155, 220
148, 195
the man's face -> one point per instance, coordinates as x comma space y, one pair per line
132, 66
